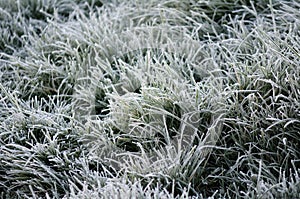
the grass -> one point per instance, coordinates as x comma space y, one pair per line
149, 99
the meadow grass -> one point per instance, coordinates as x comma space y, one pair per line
149, 99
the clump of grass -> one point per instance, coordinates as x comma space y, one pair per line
40, 151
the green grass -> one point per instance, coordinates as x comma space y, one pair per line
149, 99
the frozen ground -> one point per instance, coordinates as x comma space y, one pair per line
149, 99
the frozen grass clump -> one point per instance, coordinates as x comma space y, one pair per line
20, 19
149, 99
41, 152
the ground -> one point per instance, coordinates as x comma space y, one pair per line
149, 99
